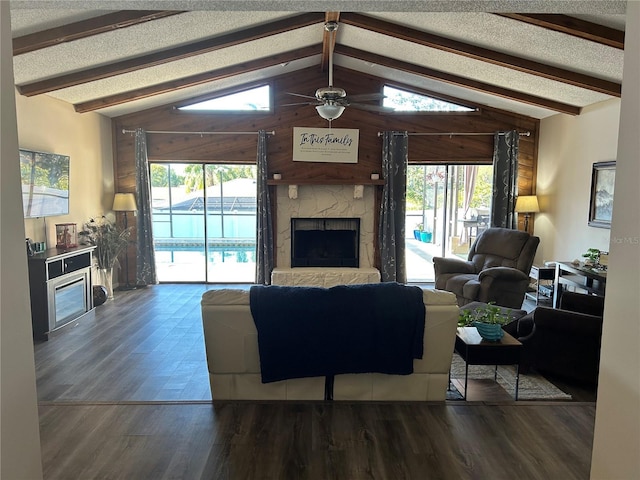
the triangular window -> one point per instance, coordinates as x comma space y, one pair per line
254, 99
404, 101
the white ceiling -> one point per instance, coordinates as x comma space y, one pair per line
452, 20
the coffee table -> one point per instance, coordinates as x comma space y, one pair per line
476, 351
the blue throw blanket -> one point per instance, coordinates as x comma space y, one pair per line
310, 331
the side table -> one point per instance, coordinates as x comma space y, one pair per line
539, 273
476, 351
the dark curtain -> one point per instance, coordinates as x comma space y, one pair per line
145, 255
470, 176
505, 179
264, 248
392, 212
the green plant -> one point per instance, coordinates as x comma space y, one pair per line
490, 313
109, 240
593, 255
419, 227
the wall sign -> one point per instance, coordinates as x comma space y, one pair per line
335, 145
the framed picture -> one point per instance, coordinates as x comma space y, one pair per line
603, 178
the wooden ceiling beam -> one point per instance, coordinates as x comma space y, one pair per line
328, 41
572, 26
199, 79
483, 54
86, 28
170, 55
456, 80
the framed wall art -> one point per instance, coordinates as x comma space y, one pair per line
603, 178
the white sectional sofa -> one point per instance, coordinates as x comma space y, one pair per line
231, 341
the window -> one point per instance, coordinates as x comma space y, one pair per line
404, 101
255, 99
204, 222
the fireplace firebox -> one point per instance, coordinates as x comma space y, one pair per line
325, 242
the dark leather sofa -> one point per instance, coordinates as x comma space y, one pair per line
565, 341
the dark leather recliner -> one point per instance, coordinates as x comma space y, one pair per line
565, 341
497, 269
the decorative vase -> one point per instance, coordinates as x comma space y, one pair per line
489, 331
105, 278
99, 295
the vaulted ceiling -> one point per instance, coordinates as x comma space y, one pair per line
106, 57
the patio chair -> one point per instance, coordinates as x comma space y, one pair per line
497, 269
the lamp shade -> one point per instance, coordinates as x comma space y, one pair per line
124, 202
527, 204
330, 111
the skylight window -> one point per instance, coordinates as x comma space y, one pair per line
255, 99
404, 101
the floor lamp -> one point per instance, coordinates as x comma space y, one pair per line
527, 204
125, 202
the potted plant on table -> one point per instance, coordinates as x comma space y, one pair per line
110, 241
487, 319
592, 256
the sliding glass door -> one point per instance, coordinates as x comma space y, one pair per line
204, 222
447, 206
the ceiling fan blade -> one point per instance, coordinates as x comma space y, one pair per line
372, 108
300, 95
364, 97
300, 103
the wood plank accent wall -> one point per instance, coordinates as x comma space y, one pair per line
242, 148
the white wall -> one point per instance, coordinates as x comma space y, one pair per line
45, 124
19, 435
616, 447
567, 150
50, 125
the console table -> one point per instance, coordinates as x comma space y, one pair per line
60, 288
582, 277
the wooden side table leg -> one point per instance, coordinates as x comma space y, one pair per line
466, 376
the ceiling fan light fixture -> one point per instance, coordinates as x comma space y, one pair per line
330, 111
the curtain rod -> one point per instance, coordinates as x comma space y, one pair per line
453, 134
201, 133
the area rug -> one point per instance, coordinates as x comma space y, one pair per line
532, 386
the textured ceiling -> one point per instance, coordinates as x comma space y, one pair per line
453, 20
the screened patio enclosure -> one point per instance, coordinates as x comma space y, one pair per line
447, 207
204, 222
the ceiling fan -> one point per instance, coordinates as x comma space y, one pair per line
331, 101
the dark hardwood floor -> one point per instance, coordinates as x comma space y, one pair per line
125, 395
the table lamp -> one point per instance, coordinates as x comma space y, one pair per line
527, 204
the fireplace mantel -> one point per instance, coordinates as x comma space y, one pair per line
317, 181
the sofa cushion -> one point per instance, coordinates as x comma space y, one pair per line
499, 248
225, 296
456, 284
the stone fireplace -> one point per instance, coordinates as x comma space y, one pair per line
325, 202
325, 242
